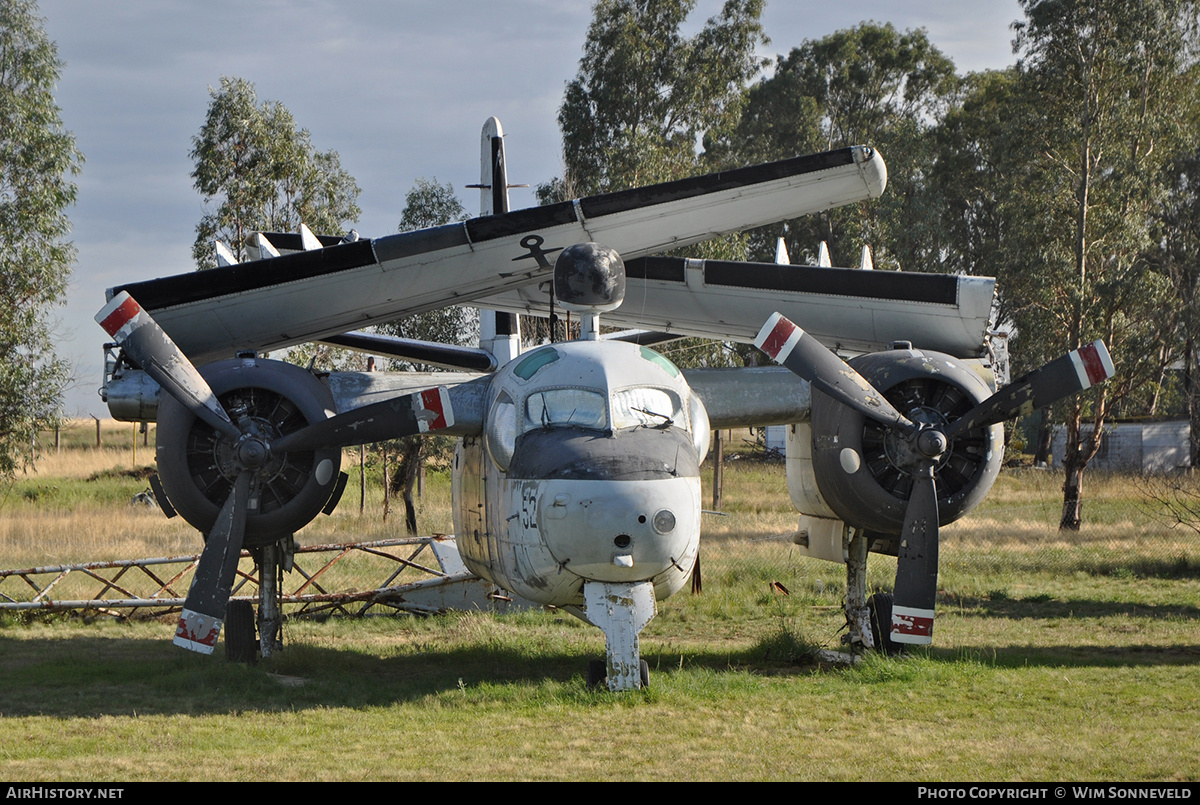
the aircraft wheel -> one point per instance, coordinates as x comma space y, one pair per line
644, 673
241, 641
880, 606
597, 673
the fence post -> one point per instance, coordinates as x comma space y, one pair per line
718, 469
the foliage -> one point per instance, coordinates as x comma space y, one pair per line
37, 159
645, 94
1175, 253
643, 99
868, 85
265, 173
1096, 121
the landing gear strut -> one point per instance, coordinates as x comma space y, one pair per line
621, 610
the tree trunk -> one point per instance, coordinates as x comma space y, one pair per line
405, 479
718, 470
1045, 437
1192, 395
387, 486
1073, 466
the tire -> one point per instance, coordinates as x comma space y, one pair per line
597, 674
644, 674
241, 639
880, 606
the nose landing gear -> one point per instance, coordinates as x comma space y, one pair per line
621, 611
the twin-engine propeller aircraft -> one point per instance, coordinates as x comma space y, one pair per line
576, 479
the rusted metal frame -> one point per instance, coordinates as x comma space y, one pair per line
110, 584
246, 578
170, 604
313, 578
379, 543
383, 596
407, 563
158, 560
191, 567
66, 572
25, 578
161, 585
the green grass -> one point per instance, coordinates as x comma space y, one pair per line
480, 697
1056, 657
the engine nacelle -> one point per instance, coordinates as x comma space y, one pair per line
851, 468
270, 398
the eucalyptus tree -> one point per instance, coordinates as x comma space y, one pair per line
645, 100
867, 85
38, 157
1176, 253
1096, 121
263, 173
428, 203
645, 95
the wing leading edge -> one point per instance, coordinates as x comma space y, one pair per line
270, 304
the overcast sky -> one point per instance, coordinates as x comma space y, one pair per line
399, 88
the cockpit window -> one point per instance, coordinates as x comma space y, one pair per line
646, 406
579, 408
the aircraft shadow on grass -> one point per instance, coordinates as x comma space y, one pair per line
137, 676
1046, 608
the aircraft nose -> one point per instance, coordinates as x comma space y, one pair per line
621, 531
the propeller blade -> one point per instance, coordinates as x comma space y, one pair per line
1070, 374
144, 341
917, 563
208, 597
790, 346
420, 412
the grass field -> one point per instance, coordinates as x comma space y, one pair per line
1056, 658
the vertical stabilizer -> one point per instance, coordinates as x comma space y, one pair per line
499, 333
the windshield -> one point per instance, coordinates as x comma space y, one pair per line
647, 406
561, 407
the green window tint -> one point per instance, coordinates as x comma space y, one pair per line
528, 367
654, 357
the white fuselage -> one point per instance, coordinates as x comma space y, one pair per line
587, 470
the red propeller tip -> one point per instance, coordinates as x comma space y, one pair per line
1093, 364
912, 625
118, 313
778, 337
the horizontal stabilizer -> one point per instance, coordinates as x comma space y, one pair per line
308, 295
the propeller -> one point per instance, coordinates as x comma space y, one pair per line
921, 446
148, 345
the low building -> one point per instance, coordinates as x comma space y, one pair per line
1137, 446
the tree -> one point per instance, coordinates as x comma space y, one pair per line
265, 173
1176, 255
643, 100
868, 85
37, 157
428, 203
645, 95
1100, 84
